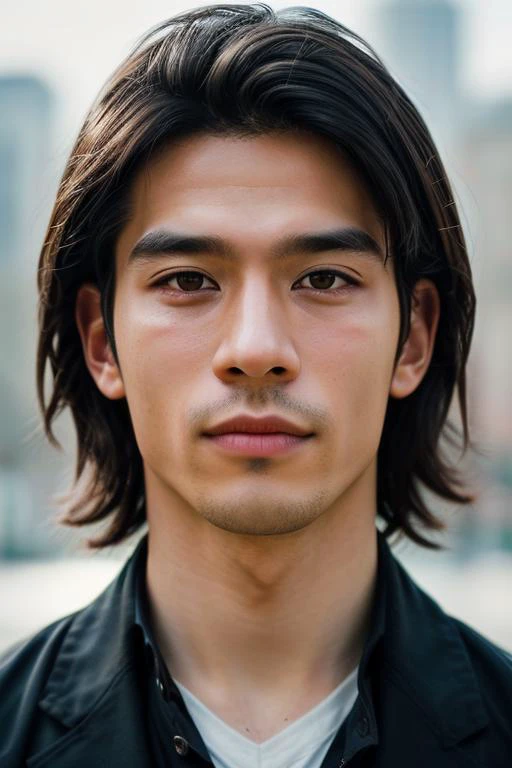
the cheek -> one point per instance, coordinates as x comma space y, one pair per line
154, 344
360, 348
158, 359
354, 362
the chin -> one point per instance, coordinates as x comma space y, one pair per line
250, 518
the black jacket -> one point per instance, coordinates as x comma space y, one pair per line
432, 691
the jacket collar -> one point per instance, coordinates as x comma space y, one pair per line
96, 650
425, 655
418, 643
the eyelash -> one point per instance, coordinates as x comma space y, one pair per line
162, 283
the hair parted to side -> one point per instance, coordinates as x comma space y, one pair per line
247, 70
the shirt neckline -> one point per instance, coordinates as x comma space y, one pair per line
301, 738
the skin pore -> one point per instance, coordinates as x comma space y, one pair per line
261, 571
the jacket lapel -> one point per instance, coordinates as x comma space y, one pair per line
93, 688
427, 659
113, 734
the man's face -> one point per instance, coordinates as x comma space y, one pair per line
249, 333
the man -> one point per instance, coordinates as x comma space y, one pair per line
256, 301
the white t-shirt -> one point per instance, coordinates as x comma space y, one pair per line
302, 744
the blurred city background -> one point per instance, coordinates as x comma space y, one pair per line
455, 61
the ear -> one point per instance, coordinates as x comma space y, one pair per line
98, 355
417, 350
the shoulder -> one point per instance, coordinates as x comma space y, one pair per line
24, 670
491, 663
50, 681
85, 631
28, 661
491, 666
459, 681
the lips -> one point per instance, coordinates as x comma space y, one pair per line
264, 425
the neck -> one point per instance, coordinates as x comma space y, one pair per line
284, 617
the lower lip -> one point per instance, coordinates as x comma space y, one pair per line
250, 444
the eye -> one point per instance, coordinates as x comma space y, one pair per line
187, 282
321, 281
190, 281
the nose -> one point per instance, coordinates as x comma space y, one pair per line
255, 337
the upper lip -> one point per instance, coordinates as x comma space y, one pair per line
267, 424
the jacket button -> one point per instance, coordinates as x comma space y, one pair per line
181, 745
363, 726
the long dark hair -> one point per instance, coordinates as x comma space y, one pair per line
245, 69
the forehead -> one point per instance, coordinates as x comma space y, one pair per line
256, 187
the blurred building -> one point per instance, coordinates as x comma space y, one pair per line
26, 174
488, 158
419, 42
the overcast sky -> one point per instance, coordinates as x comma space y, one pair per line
75, 45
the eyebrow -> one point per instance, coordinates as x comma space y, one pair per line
163, 242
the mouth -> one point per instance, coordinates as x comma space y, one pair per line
258, 443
